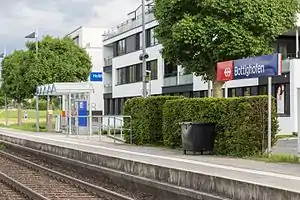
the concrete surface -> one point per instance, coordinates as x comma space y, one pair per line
226, 177
286, 146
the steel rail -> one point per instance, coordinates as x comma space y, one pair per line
68, 179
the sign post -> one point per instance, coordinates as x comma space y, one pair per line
255, 67
269, 114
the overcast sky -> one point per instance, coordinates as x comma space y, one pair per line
18, 18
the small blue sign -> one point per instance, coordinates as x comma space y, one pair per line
267, 65
96, 77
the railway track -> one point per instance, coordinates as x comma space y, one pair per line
8, 193
40, 183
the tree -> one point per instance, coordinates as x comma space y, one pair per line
198, 34
14, 82
58, 60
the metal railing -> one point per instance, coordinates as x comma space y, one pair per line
113, 125
108, 61
178, 80
170, 81
185, 79
107, 88
129, 24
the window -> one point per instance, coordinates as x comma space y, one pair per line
151, 40
231, 92
246, 91
262, 90
132, 74
121, 76
282, 99
139, 72
121, 47
170, 69
152, 66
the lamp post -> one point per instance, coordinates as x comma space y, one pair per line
34, 35
144, 55
3, 55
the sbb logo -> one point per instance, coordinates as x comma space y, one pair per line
227, 72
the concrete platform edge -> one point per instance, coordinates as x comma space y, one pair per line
226, 188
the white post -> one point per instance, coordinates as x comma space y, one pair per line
297, 42
144, 49
90, 114
226, 89
37, 113
36, 41
269, 115
209, 84
69, 113
298, 118
6, 111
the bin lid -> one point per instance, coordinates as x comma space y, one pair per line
197, 123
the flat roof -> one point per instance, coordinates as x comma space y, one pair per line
57, 89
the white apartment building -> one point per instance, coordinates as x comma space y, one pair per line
90, 38
123, 71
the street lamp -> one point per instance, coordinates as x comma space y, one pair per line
144, 56
3, 55
34, 35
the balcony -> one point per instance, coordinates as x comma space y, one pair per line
107, 88
129, 24
108, 61
178, 80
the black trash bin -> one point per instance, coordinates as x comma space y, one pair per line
197, 136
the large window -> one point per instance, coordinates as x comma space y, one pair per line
152, 66
151, 40
170, 69
134, 73
121, 48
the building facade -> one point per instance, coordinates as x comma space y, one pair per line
123, 71
90, 39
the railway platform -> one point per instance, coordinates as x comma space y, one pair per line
230, 178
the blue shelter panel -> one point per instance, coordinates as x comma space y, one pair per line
82, 114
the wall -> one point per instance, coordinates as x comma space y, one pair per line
91, 39
135, 89
289, 124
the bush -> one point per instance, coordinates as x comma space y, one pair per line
147, 119
241, 123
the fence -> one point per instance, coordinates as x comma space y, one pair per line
110, 125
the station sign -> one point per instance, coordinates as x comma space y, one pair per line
254, 67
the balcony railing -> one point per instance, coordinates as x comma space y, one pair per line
108, 61
286, 61
129, 24
107, 88
178, 80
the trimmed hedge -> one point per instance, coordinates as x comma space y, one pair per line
147, 119
241, 122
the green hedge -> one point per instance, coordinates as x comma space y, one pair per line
241, 122
147, 119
